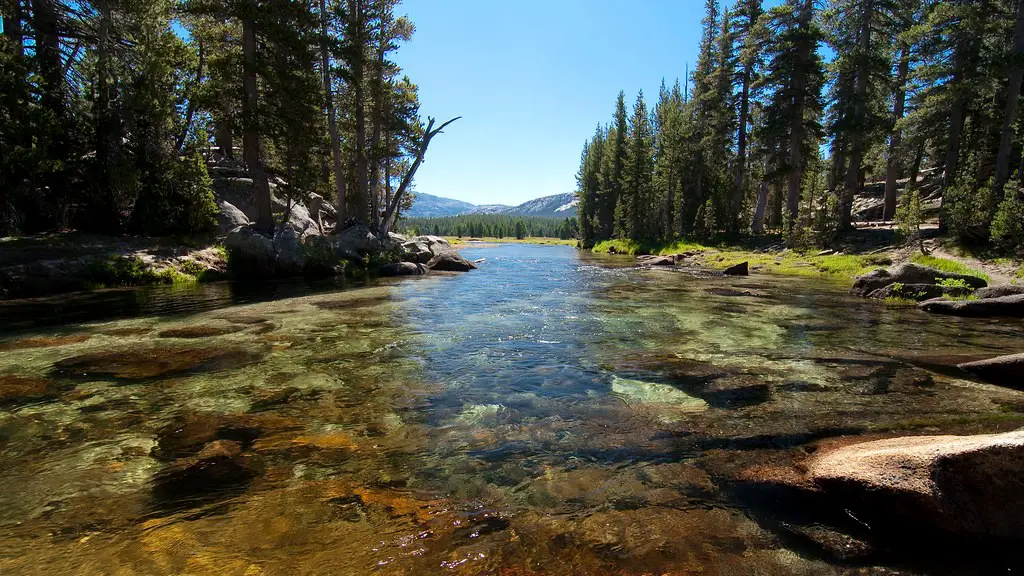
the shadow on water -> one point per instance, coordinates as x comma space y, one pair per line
113, 304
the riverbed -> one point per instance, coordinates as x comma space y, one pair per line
554, 412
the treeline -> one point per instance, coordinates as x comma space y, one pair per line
764, 135
113, 108
492, 226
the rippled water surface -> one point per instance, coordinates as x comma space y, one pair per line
550, 413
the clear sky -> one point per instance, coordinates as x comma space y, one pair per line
531, 79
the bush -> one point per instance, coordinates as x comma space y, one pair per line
909, 217
1008, 223
180, 202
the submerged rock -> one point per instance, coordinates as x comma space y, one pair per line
962, 484
908, 273
1004, 370
218, 470
639, 392
200, 331
152, 363
1005, 307
16, 389
44, 342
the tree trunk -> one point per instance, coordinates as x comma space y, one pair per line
48, 54
859, 119
358, 24
741, 149
251, 134
107, 132
224, 134
1012, 98
963, 69
190, 111
388, 221
332, 120
378, 121
915, 169
797, 129
892, 168
762, 205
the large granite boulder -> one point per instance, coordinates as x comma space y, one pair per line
1005, 307
416, 251
919, 292
999, 291
230, 217
289, 256
250, 254
1004, 370
970, 485
354, 242
403, 269
741, 269
908, 273
450, 261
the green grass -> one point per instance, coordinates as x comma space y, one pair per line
947, 265
788, 262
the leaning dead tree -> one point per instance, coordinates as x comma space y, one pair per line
392, 213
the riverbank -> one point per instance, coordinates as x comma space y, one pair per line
71, 262
769, 255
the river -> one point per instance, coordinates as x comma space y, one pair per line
554, 412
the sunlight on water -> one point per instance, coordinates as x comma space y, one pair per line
551, 413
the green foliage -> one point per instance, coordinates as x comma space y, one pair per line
492, 226
1008, 223
947, 265
119, 271
909, 217
954, 283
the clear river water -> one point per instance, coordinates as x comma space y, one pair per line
554, 412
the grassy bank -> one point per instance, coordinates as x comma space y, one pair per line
788, 262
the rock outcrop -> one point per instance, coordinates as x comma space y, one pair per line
403, 269
961, 484
919, 292
1004, 370
999, 291
741, 269
908, 273
1004, 307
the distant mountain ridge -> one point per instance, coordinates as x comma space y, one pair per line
557, 206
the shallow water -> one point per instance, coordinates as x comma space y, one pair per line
551, 413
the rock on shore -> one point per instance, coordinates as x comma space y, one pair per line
961, 484
870, 285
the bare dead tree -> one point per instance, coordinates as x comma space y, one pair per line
392, 213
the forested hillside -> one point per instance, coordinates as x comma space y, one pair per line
113, 109
492, 226
766, 136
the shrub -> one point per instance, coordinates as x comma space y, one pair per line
1008, 223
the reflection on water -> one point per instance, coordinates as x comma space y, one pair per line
551, 413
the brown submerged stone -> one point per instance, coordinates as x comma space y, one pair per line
16, 389
200, 331
152, 363
44, 342
350, 303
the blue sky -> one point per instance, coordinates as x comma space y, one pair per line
531, 79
